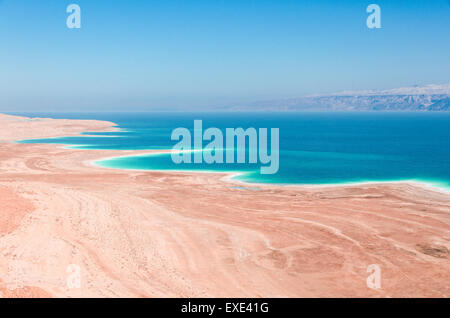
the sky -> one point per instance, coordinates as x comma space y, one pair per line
193, 54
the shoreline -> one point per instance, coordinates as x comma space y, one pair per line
171, 234
233, 174
228, 175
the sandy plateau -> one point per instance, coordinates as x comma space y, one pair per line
174, 234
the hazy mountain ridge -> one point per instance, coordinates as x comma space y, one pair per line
416, 98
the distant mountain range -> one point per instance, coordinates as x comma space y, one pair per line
416, 98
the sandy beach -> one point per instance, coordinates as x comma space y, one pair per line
180, 234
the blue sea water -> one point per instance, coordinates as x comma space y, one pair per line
315, 148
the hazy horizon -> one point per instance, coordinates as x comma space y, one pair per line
206, 55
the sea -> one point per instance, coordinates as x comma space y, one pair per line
314, 148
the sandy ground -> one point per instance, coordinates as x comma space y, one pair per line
153, 234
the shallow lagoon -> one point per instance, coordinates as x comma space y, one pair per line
315, 148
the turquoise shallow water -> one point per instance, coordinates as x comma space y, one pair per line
315, 148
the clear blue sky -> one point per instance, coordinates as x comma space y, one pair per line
145, 55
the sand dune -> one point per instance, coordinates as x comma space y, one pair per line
174, 234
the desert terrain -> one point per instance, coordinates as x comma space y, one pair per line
179, 234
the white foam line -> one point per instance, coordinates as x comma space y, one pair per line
230, 176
